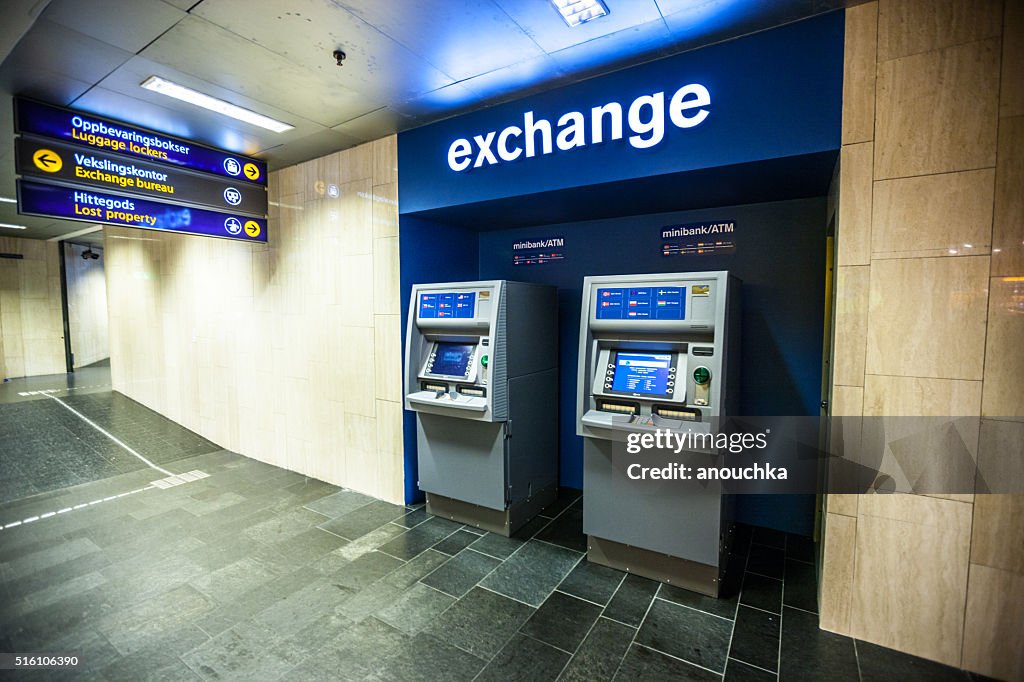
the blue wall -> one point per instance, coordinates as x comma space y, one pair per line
772, 136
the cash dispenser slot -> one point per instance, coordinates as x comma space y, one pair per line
702, 352
676, 412
433, 386
618, 406
475, 391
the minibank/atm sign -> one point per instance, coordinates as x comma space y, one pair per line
461, 305
79, 204
102, 134
641, 303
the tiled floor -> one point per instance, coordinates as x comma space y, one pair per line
261, 574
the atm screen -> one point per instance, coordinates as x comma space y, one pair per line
455, 304
644, 373
452, 359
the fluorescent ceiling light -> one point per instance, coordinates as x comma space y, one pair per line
13, 227
576, 12
8, 200
213, 104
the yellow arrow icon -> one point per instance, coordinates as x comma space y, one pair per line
252, 228
47, 160
251, 171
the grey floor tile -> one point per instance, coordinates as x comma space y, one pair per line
413, 518
233, 656
283, 526
356, 524
425, 659
721, 606
566, 530
302, 607
480, 623
630, 603
159, 660
879, 663
406, 576
755, 639
419, 539
533, 572
762, 593
339, 504
592, 582
653, 666
602, 651
456, 542
370, 600
766, 561
365, 570
458, 575
497, 546
525, 659
801, 548
801, 586
738, 671
230, 582
769, 537
562, 621
810, 653
686, 633
416, 608
566, 496
362, 649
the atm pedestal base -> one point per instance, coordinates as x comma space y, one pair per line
504, 522
683, 573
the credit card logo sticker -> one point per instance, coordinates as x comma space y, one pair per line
233, 225
47, 160
232, 196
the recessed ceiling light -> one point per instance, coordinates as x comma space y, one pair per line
576, 12
8, 200
191, 96
13, 227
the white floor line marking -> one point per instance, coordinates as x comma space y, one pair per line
14, 524
107, 434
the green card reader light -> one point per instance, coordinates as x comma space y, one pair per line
702, 379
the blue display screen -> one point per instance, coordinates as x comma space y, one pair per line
459, 304
451, 359
641, 303
644, 373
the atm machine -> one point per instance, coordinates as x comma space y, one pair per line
656, 352
481, 373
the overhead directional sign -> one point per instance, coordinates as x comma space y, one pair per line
36, 198
103, 134
48, 159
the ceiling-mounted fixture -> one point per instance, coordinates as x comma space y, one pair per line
89, 253
13, 227
7, 200
165, 87
339, 57
576, 12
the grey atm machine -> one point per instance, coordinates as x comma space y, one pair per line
656, 351
481, 373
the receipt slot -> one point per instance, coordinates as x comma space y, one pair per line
656, 352
481, 373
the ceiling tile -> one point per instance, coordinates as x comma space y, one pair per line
310, 147
616, 50
541, 21
50, 48
204, 50
310, 30
376, 124
520, 80
441, 103
175, 117
127, 24
462, 39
